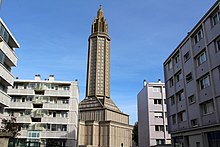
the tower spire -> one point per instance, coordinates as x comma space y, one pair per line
100, 13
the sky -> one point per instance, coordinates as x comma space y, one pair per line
53, 37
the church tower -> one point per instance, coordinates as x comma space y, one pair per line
101, 123
98, 72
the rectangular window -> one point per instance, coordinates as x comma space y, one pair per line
216, 18
157, 101
159, 128
172, 98
171, 82
158, 114
194, 122
181, 116
179, 76
160, 141
204, 82
174, 119
180, 96
189, 77
186, 57
170, 66
177, 58
202, 57
218, 45
198, 36
2, 57
192, 99
207, 107
156, 89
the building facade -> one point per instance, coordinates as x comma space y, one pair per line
47, 111
8, 59
101, 122
152, 120
192, 79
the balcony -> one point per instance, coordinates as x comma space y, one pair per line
9, 53
24, 134
6, 75
23, 119
54, 134
40, 99
21, 105
39, 113
59, 120
20, 91
61, 93
4, 98
56, 106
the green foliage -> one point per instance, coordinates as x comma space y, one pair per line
10, 127
135, 133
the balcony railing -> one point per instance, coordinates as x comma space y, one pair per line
4, 98
9, 53
20, 91
61, 93
23, 119
54, 134
24, 105
56, 106
6, 75
59, 120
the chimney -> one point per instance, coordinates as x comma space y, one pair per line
37, 77
51, 77
145, 83
159, 81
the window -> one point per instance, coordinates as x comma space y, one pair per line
201, 58
2, 57
159, 128
198, 36
156, 89
174, 119
204, 82
158, 114
189, 77
179, 76
170, 66
177, 58
180, 96
65, 101
181, 116
216, 18
186, 57
218, 45
194, 122
160, 141
207, 107
34, 134
64, 127
172, 98
64, 114
192, 99
171, 82
157, 101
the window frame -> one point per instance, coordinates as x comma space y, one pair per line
198, 36
208, 108
217, 16
189, 77
190, 98
203, 83
201, 58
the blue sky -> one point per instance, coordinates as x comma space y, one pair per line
53, 35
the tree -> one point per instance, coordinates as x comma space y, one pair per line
135, 133
10, 127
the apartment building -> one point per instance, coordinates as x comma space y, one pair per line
8, 59
47, 110
192, 80
152, 120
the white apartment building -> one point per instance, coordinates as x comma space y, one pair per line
8, 59
152, 117
47, 110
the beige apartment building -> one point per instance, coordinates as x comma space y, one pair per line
192, 79
47, 110
101, 124
152, 115
8, 59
